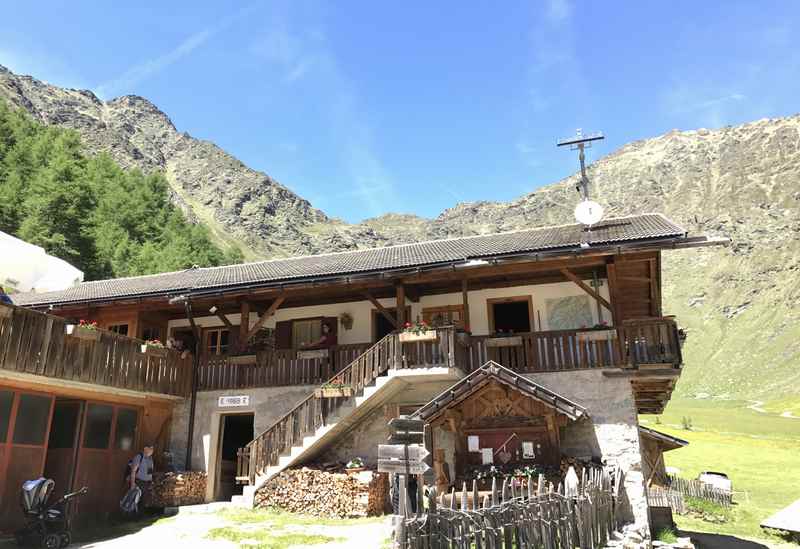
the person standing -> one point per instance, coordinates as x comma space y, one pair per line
141, 474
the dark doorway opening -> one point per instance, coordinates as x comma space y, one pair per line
512, 316
381, 327
236, 430
62, 445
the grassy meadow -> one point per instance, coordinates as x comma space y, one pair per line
760, 452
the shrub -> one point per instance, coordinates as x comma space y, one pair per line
667, 535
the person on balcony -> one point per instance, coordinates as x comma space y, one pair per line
327, 339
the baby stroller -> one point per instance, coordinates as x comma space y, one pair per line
48, 523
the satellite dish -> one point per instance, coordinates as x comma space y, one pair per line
588, 212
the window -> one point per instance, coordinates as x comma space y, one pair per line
33, 415
121, 329
6, 400
150, 333
98, 426
217, 341
449, 315
306, 331
510, 314
126, 429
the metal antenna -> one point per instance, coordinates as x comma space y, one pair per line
579, 142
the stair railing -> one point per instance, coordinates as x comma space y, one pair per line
313, 412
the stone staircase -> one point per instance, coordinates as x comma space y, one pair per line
373, 387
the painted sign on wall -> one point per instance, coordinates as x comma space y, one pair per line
232, 401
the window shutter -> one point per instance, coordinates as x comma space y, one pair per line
283, 334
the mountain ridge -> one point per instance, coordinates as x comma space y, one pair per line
740, 182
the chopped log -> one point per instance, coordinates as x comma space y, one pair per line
175, 489
323, 493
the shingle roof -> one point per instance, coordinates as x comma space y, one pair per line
492, 371
646, 227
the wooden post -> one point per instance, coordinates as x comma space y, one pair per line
465, 301
401, 305
244, 322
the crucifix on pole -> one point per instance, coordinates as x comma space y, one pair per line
580, 142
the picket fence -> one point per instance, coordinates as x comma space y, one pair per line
532, 515
698, 489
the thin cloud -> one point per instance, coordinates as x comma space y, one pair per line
558, 11
141, 72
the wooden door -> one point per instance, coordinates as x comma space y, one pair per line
62, 446
109, 439
24, 428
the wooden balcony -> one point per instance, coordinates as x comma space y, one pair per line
640, 343
38, 344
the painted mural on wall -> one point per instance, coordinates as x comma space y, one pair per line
569, 313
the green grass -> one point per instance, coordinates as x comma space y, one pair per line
759, 452
667, 535
266, 538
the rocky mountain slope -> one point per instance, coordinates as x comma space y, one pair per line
739, 303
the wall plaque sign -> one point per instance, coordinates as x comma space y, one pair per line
233, 401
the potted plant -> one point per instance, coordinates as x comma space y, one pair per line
334, 389
417, 331
83, 330
355, 465
347, 321
154, 347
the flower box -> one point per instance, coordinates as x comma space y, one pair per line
333, 392
153, 350
6, 310
81, 332
511, 341
355, 470
242, 359
410, 337
312, 354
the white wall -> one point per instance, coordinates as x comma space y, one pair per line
361, 311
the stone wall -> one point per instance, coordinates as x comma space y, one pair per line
611, 432
267, 405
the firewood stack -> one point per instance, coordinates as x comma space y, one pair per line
326, 494
579, 464
174, 489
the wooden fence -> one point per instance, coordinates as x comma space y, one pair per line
664, 497
580, 514
698, 489
36, 343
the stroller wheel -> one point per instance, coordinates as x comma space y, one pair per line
51, 541
66, 539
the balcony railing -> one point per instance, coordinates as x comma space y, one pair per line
633, 344
38, 344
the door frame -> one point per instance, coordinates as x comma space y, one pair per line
214, 483
375, 313
491, 302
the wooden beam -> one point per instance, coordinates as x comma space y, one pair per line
244, 320
222, 317
465, 304
588, 289
381, 309
401, 305
268, 313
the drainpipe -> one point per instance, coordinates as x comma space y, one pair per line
195, 364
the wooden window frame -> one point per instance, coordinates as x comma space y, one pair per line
110, 328
459, 307
321, 319
205, 336
492, 301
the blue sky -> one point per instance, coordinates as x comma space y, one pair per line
370, 107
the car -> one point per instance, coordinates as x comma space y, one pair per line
717, 480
